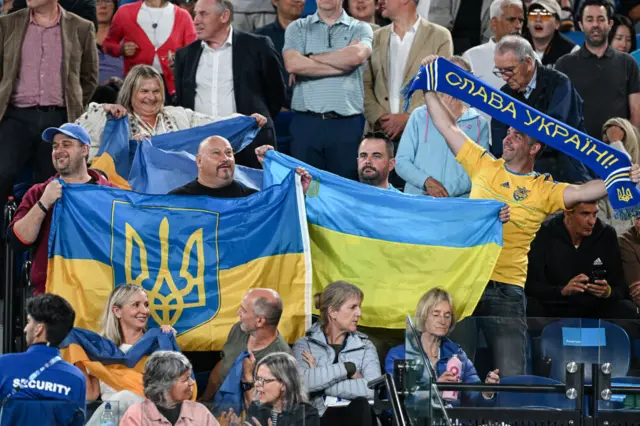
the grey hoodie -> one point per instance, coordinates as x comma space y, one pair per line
331, 379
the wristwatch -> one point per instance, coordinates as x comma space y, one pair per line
245, 386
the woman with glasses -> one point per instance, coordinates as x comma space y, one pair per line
168, 388
435, 320
282, 399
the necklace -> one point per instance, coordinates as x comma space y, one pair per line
154, 25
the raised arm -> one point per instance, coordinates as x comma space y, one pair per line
445, 122
590, 191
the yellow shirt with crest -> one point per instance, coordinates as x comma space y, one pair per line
532, 197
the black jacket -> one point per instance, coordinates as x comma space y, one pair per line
559, 46
555, 96
302, 415
258, 84
83, 8
553, 261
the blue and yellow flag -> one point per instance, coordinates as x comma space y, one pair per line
163, 162
195, 256
395, 247
102, 358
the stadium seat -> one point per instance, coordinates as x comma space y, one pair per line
589, 341
636, 56
576, 36
532, 400
310, 7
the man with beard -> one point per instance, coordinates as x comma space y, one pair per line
376, 160
257, 333
607, 80
216, 167
30, 227
546, 90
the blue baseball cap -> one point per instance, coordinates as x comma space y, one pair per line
72, 130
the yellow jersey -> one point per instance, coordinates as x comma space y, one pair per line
532, 197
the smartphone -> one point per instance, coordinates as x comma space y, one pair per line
597, 274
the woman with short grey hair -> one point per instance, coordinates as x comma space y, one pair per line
337, 361
281, 396
168, 388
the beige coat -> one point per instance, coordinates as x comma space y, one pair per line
430, 39
79, 65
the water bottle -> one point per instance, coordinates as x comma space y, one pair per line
453, 366
107, 418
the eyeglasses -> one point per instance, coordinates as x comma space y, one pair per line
509, 72
261, 381
544, 15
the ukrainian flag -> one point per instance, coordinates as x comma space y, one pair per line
395, 247
195, 256
100, 357
125, 162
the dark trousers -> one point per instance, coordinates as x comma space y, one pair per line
501, 315
21, 144
327, 144
357, 413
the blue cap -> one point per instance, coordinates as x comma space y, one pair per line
72, 130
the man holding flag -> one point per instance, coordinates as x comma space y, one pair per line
30, 227
216, 169
532, 197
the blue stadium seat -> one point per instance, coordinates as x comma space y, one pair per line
589, 341
636, 55
576, 36
532, 400
23, 183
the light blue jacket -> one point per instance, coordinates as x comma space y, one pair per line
331, 379
424, 153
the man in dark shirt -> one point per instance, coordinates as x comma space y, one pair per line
608, 81
575, 269
288, 11
216, 167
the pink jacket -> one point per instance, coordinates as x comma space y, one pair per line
146, 414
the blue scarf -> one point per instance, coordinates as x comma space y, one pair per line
610, 164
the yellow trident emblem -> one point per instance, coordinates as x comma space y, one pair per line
624, 194
160, 305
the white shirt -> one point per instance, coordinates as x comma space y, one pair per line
398, 55
483, 63
215, 95
162, 18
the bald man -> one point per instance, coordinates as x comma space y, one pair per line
257, 332
216, 167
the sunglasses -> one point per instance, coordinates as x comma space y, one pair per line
542, 14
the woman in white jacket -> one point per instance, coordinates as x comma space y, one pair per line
337, 361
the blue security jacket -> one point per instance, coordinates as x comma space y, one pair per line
60, 382
447, 350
